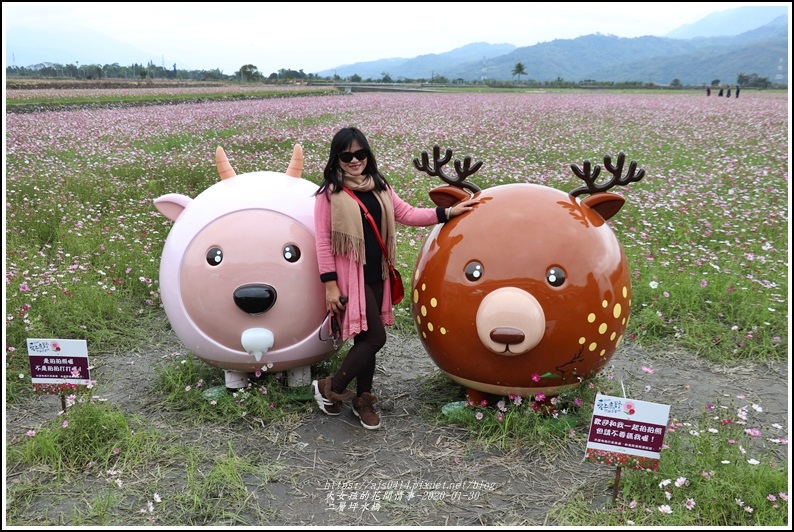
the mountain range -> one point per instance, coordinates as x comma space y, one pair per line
746, 40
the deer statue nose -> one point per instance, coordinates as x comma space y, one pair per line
255, 298
507, 335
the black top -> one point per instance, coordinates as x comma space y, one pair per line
372, 251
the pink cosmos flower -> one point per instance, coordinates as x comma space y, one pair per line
703, 283
647, 370
478, 415
535, 377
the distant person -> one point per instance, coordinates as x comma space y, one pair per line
729, 93
708, 91
737, 91
720, 94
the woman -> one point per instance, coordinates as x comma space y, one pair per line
353, 268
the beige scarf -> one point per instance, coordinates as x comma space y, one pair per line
347, 230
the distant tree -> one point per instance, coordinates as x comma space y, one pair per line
142, 73
249, 72
752, 80
519, 70
715, 83
675, 83
355, 78
386, 77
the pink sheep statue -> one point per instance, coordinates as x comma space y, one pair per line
238, 274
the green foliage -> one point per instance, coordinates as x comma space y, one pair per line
88, 434
717, 470
190, 384
509, 422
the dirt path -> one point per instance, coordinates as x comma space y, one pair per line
441, 478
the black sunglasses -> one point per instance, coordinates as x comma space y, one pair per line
347, 156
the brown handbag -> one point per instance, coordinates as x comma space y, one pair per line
395, 280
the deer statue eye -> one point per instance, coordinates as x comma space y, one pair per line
474, 271
291, 253
214, 256
555, 276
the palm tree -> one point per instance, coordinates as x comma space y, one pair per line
518, 70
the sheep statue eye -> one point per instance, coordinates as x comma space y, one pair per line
214, 256
291, 253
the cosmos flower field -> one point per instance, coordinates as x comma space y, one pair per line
705, 232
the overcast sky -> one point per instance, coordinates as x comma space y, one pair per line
315, 36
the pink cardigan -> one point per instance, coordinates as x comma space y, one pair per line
350, 276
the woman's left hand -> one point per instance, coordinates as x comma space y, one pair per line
463, 206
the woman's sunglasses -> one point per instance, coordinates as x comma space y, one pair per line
347, 156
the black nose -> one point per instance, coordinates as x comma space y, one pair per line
255, 298
507, 335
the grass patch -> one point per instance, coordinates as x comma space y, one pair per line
716, 470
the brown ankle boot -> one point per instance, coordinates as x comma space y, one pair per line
363, 408
329, 401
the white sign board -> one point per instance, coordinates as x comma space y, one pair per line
626, 432
54, 361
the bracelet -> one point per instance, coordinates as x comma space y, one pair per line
449, 213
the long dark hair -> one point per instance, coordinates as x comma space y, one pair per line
341, 142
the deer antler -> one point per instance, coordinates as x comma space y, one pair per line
463, 171
616, 170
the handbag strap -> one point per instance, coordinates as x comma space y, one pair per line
369, 217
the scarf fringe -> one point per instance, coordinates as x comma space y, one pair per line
344, 245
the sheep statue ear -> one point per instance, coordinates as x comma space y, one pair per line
295, 168
225, 169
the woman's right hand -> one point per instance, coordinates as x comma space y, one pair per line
334, 298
